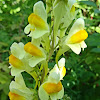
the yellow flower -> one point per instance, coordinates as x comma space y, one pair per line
52, 87
18, 90
37, 21
76, 36
19, 59
60, 68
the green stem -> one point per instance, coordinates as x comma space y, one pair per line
34, 75
45, 71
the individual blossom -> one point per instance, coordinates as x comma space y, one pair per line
52, 88
19, 91
60, 68
17, 59
37, 21
76, 36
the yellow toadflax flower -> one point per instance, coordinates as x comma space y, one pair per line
52, 89
53, 86
36, 52
16, 58
19, 59
76, 36
37, 21
60, 68
24, 57
18, 90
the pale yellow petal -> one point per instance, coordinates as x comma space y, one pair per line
43, 95
35, 60
60, 94
37, 33
39, 10
61, 63
54, 76
15, 71
75, 48
83, 45
27, 29
17, 49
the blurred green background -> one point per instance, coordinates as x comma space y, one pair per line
82, 81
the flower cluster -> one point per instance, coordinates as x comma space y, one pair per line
33, 57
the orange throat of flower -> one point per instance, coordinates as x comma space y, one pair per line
14, 96
37, 21
33, 50
52, 87
17, 63
78, 37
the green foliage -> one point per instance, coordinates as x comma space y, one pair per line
5, 79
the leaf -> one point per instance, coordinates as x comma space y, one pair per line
4, 77
89, 59
97, 11
4, 67
96, 50
98, 29
6, 88
3, 44
93, 40
3, 96
96, 68
90, 3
